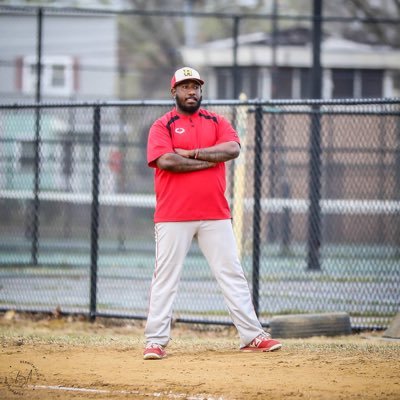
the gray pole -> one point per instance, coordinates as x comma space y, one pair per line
190, 24
274, 34
257, 171
95, 216
397, 186
235, 69
314, 214
274, 123
36, 183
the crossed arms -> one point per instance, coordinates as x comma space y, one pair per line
198, 159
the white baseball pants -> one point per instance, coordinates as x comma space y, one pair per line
217, 242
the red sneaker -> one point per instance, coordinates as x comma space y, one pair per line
154, 351
262, 342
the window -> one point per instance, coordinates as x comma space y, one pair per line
294, 83
27, 155
305, 83
68, 157
290, 83
371, 83
247, 82
396, 83
56, 79
224, 83
351, 83
343, 83
282, 81
58, 76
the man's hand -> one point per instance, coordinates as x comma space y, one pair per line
175, 162
185, 153
218, 153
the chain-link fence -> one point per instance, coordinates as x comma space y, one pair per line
315, 196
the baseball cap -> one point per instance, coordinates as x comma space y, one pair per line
184, 74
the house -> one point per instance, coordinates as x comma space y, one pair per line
350, 69
79, 56
79, 62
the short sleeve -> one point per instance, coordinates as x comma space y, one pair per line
226, 131
158, 143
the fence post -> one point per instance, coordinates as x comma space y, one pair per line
286, 220
397, 185
36, 172
235, 69
314, 214
271, 234
258, 168
94, 236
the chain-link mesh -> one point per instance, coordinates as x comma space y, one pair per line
76, 205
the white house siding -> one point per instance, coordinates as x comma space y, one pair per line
90, 41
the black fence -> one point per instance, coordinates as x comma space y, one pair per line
315, 196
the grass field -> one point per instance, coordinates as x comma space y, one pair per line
48, 357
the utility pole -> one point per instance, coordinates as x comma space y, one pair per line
190, 24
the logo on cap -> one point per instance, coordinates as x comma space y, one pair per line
187, 72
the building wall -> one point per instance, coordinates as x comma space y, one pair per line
335, 54
89, 42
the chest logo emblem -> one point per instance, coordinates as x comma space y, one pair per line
179, 131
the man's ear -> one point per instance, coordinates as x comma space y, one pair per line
173, 92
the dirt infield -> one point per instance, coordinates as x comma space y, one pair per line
62, 358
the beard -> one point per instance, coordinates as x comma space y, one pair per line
190, 109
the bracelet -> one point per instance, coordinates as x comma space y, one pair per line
196, 154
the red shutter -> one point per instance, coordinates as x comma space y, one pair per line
19, 65
75, 71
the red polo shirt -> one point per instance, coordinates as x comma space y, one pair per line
189, 196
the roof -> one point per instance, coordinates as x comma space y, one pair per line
293, 49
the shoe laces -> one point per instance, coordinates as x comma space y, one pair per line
264, 335
259, 339
154, 346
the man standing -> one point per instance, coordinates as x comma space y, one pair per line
188, 148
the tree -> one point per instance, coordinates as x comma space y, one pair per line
378, 33
149, 44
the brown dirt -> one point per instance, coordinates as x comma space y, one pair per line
64, 358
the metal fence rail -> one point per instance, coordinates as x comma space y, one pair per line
76, 205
